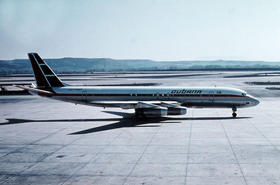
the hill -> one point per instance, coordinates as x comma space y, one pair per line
89, 65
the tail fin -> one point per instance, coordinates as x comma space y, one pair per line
44, 75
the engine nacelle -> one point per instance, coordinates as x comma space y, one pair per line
151, 112
173, 109
176, 111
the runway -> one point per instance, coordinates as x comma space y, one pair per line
43, 141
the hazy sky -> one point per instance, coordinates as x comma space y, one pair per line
141, 29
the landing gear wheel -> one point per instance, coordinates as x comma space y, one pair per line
234, 109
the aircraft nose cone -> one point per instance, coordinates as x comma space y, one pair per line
255, 101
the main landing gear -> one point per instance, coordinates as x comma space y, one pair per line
234, 114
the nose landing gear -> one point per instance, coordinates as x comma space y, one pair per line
234, 114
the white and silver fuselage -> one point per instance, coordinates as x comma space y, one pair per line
186, 96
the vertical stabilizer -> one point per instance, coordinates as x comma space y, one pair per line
44, 75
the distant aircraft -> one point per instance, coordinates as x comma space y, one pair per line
147, 101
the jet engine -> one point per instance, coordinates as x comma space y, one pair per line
174, 109
151, 112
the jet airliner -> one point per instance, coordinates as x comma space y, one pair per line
147, 101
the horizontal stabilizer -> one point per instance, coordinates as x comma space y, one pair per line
35, 91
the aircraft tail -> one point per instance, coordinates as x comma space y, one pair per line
44, 75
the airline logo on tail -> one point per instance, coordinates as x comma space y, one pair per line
44, 75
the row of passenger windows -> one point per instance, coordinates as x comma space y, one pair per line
168, 94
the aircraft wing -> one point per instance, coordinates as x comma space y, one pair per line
147, 108
131, 104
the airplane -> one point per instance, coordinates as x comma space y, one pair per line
147, 101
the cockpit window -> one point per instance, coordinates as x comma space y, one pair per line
243, 94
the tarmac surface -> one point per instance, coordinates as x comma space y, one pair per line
43, 141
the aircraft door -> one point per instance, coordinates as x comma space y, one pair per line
157, 95
168, 96
84, 95
211, 96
